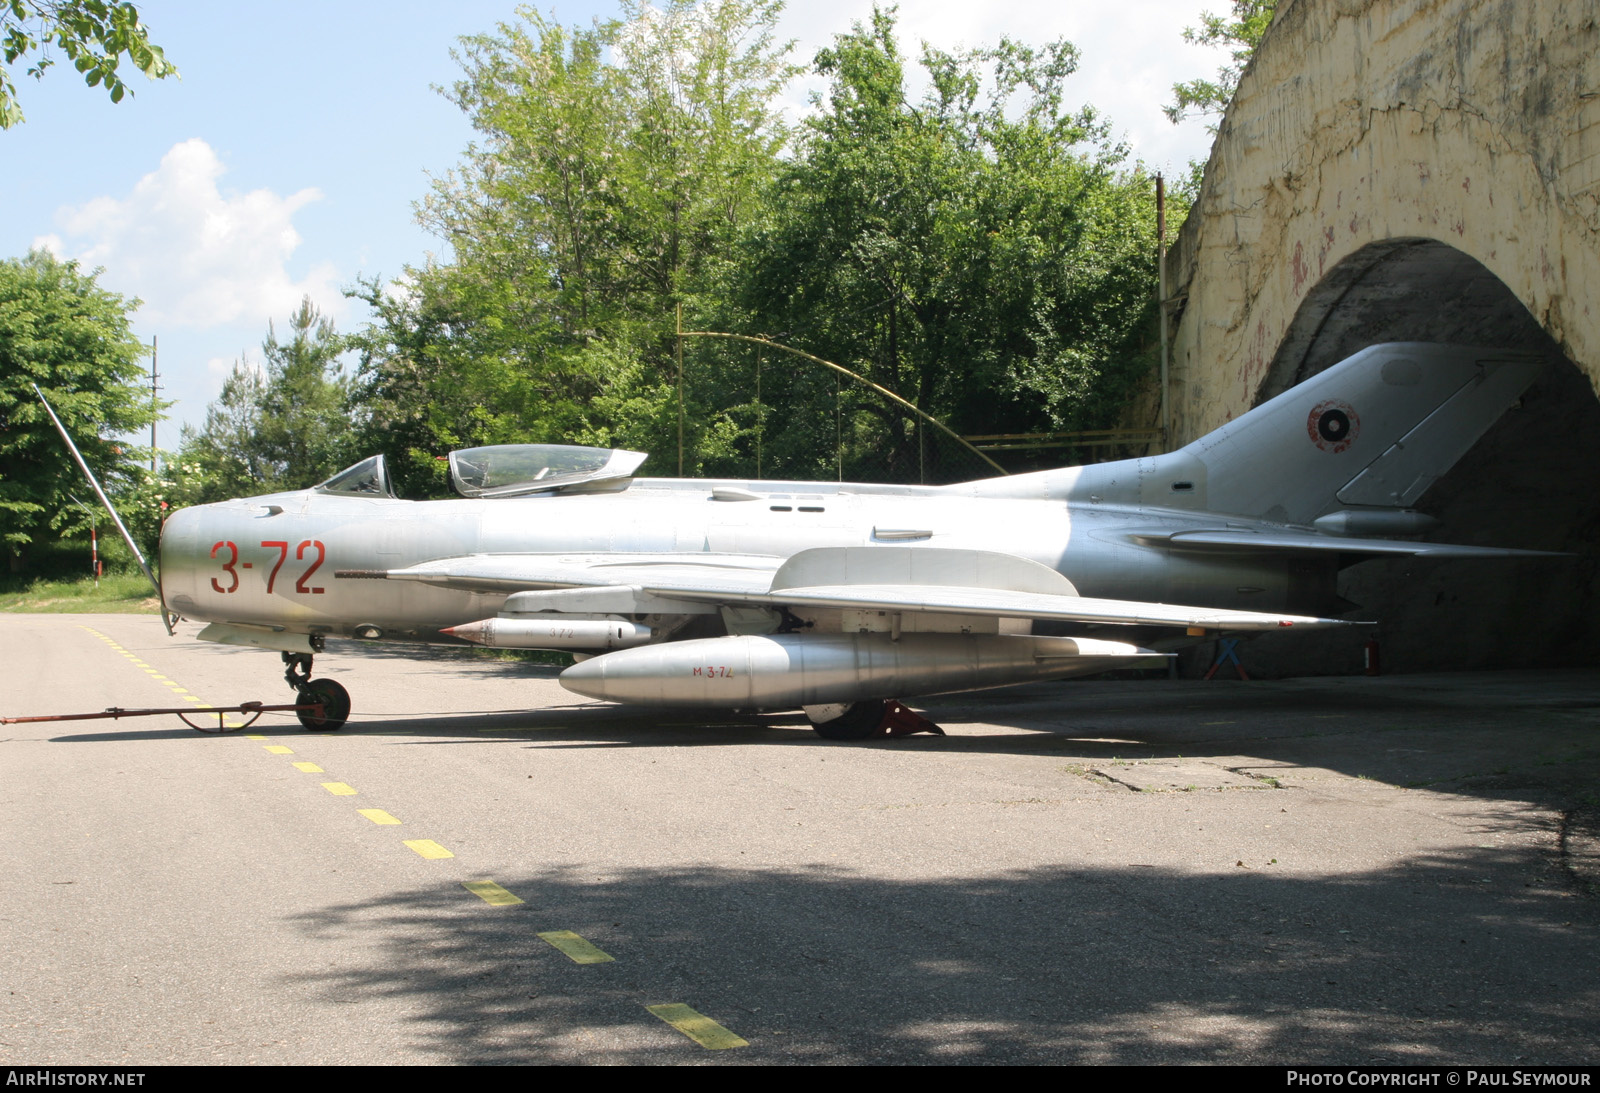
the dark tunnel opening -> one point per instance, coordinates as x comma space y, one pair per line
1532, 481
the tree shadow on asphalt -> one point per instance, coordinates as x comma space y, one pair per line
1485, 956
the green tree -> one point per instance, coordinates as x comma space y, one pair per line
95, 35
981, 253
1240, 36
283, 426
616, 169
61, 331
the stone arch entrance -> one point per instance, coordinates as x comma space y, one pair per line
1418, 172
1400, 290
1533, 481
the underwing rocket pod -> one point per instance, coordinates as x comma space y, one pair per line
786, 670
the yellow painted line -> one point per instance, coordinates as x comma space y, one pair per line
494, 895
581, 951
278, 749
697, 1026
428, 848
308, 768
377, 815
249, 736
338, 789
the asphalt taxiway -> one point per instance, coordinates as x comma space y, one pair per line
1341, 870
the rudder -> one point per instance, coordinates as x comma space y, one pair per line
1375, 430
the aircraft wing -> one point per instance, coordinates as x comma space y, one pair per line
958, 582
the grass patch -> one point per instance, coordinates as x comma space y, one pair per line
529, 656
119, 593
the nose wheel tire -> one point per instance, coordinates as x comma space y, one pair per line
335, 705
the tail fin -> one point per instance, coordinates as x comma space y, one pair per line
1376, 429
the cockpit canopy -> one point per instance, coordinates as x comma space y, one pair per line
511, 470
506, 470
369, 478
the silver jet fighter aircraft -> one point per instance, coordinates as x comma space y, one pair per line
837, 597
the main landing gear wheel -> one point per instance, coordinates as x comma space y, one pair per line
335, 705
859, 721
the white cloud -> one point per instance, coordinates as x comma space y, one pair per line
196, 255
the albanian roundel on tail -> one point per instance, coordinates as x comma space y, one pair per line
1333, 425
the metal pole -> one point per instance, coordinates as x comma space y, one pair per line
1161, 309
884, 391
94, 540
138, 555
154, 403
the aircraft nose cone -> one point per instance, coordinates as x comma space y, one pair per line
177, 553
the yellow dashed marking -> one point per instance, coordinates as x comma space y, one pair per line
579, 950
377, 815
697, 1026
153, 674
308, 768
494, 895
428, 848
278, 749
338, 789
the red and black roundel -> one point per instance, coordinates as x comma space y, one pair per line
1333, 425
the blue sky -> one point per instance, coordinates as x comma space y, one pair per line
287, 159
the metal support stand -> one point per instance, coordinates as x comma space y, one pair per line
1227, 651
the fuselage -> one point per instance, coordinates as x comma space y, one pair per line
271, 560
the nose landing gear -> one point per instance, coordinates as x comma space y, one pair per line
333, 698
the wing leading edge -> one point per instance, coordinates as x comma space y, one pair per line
896, 579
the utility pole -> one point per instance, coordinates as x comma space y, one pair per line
155, 404
1161, 308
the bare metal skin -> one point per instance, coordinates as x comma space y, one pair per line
741, 594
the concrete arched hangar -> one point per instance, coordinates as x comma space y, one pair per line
1418, 171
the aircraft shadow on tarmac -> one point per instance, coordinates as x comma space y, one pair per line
1448, 958
1511, 735
1465, 729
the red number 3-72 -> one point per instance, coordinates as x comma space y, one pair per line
232, 565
